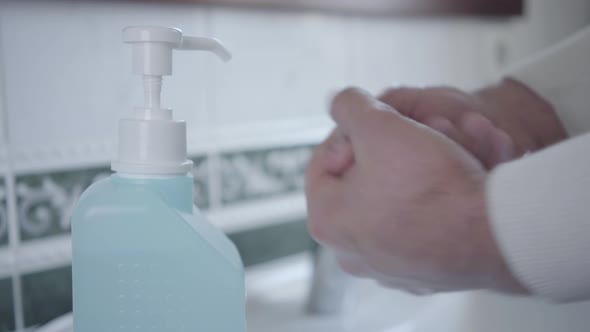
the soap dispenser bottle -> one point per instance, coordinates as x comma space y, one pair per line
144, 258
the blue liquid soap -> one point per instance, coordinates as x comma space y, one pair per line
144, 258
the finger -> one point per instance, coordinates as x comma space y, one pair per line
336, 154
324, 191
324, 194
361, 116
352, 110
445, 127
330, 160
444, 101
478, 131
404, 100
503, 148
491, 145
320, 168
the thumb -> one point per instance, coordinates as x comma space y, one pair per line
363, 118
404, 100
335, 154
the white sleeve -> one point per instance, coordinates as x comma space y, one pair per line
561, 75
539, 206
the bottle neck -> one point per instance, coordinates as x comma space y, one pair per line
175, 190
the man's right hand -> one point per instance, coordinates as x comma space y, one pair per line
496, 124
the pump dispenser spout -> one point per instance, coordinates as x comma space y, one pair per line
152, 55
152, 142
204, 43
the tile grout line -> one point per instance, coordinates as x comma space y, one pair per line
13, 231
19, 322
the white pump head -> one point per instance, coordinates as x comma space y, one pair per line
152, 142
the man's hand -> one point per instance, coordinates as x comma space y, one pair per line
496, 124
401, 203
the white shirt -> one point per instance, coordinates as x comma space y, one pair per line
539, 205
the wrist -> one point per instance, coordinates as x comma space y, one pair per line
528, 119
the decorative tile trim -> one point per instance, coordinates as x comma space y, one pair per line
259, 174
3, 214
45, 201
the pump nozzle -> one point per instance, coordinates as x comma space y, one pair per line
152, 55
152, 142
203, 43
152, 47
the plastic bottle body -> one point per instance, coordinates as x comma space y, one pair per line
144, 259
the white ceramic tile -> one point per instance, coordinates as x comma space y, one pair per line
285, 64
68, 75
419, 52
3, 113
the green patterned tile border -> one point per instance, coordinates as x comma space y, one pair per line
265, 173
3, 215
44, 201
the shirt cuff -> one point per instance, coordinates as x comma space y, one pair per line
539, 210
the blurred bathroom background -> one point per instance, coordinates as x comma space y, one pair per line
65, 79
